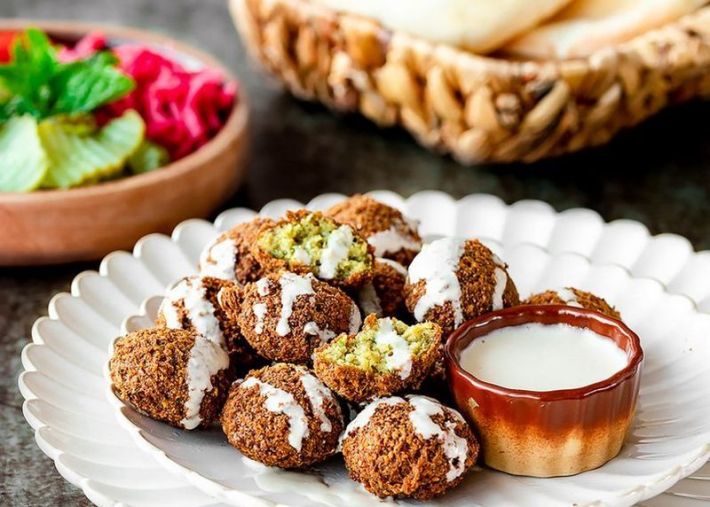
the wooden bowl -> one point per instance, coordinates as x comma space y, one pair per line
53, 226
478, 108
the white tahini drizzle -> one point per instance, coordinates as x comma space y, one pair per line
400, 357
206, 359
301, 255
219, 259
366, 414
262, 287
369, 300
569, 297
501, 280
199, 309
391, 241
437, 265
455, 447
318, 394
259, 310
355, 319
313, 329
283, 402
336, 251
393, 264
292, 286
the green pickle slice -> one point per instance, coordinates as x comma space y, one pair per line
77, 159
23, 163
148, 157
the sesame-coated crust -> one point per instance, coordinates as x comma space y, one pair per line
272, 264
246, 267
262, 435
330, 308
237, 347
476, 276
148, 371
585, 299
368, 216
358, 386
390, 458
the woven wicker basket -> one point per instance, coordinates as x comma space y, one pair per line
479, 109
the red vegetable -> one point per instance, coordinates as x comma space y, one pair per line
182, 109
87, 46
6, 40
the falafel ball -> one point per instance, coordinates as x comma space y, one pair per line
308, 242
573, 297
285, 316
390, 233
386, 357
171, 375
283, 416
454, 279
409, 447
384, 294
229, 256
193, 303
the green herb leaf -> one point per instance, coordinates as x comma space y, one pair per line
26, 78
35, 83
85, 85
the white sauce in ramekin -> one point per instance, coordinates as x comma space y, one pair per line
539, 357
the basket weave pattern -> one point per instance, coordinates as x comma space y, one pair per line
477, 108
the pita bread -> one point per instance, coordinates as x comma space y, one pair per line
588, 25
478, 25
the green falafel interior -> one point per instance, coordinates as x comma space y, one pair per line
330, 250
383, 346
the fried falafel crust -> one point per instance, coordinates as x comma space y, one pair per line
388, 284
261, 435
329, 308
476, 275
358, 386
148, 370
368, 216
247, 268
234, 341
389, 458
585, 299
271, 264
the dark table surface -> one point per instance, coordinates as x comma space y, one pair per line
658, 174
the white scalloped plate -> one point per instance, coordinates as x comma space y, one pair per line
74, 425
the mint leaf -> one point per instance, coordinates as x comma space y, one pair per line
35, 83
82, 86
26, 78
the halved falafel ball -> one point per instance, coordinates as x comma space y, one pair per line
453, 280
386, 357
229, 256
193, 303
573, 297
308, 242
409, 447
285, 316
384, 294
171, 375
283, 416
389, 232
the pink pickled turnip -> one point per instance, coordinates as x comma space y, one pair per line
182, 109
87, 46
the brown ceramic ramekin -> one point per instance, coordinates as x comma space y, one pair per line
547, 433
